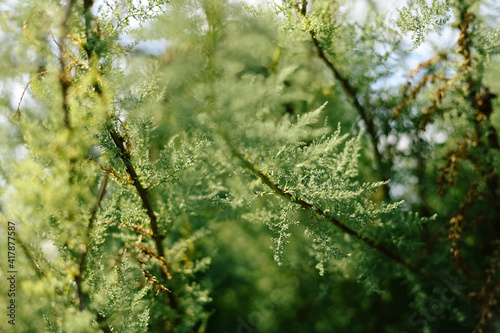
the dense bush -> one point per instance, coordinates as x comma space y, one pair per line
203, 165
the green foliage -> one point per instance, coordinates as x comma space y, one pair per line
261, 173
420, 17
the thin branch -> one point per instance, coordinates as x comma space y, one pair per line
89, 46
102, 323
65, 81
65, 75
123, 146
150, 253
146, 203
303, 9
18, 111
346, 85
148, 276
429, 63
352, 93
304, 204
349, 89
55, 41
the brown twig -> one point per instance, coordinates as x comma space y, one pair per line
456, 231
429, 112
411, 94
429, 63
139, 229
151, 278
143, 194
449, 172
151, 254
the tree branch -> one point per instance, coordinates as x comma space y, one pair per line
121, 144
65, 75
146, 203
352, 93
17, 115
102, 323
308, 206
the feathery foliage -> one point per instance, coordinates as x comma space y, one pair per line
203, 166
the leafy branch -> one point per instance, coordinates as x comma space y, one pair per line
124, 146
353, 93
320, 212
143, 193
146, 203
